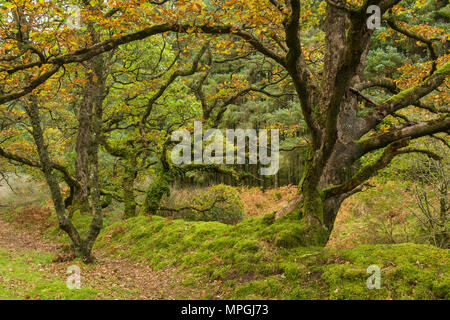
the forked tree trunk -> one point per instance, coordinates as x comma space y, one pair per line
318, 210
81, 248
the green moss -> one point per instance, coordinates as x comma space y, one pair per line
445, 11
23, 277
268, 288
441, 287
401, 95
445, 69
269, 219
408, 271
159, 187
294, 271
248, 246
290, 238
252, 260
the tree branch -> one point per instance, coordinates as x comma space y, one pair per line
410, 96
412, 131
298, 70
429, 43
15, 157
393, 149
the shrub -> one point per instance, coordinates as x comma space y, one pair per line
221, 203
432, 200
217, 203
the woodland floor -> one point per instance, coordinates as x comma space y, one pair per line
162, 258
107, 278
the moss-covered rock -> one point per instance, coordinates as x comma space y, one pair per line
217, 203
290, 238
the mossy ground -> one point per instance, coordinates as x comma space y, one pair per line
23, 276
248, 264
258, 258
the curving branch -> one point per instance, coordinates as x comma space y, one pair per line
394, 149
30, 87
298, 70
429, 43
35, 164
176, 74
410, 96
392, 87
410, 131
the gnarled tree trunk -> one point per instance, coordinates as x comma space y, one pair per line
128, 187
81, 194
81, 247
330, 107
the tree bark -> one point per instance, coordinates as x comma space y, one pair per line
65, 223
81, 194
128, 187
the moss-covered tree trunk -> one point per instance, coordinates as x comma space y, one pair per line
128, 187
88, 177
78, 244
159, 187
97, 65
330, 108
80, 200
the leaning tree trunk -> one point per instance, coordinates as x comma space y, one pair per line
65, 224
97, 122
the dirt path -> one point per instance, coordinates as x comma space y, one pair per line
15, 239
114, 278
